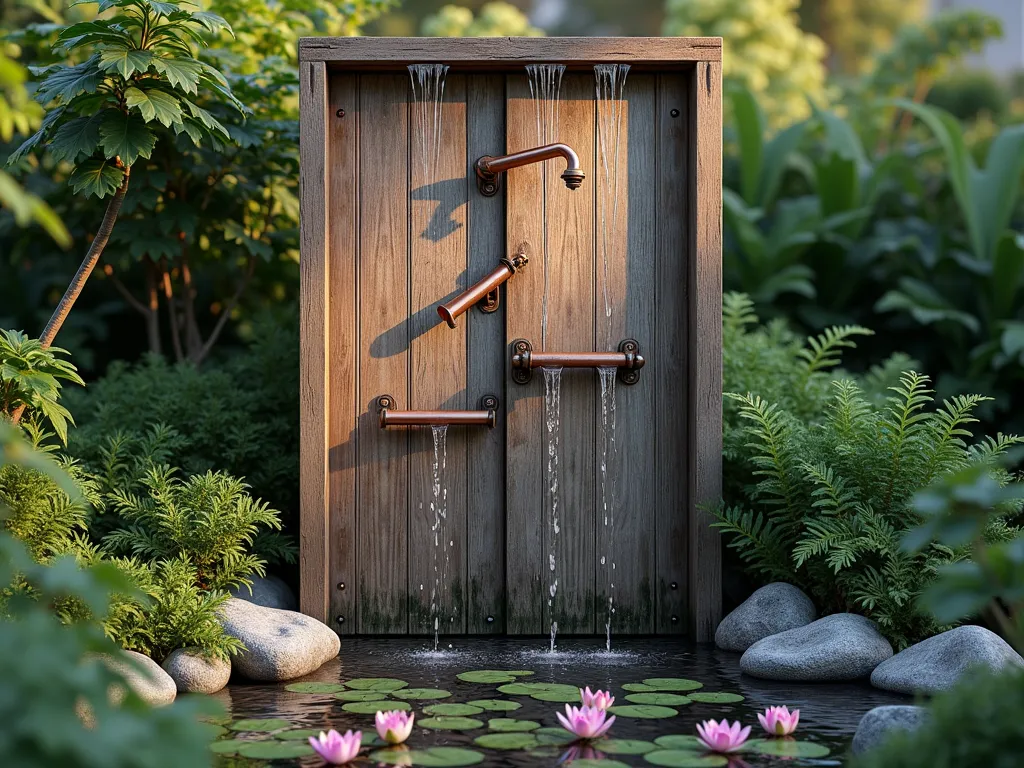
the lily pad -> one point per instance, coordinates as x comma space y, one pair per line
488, 676
373, 707
228, 746
643, 711
528, 689
664, 699
638, 687
496, 705
562, 697
506, 741
275, 750
625, 746
554, 736
212, 730
453, 710
672, 684
260, 725
679, 741
716, 698
360, 696
299, 734
421, 693
510, 725
429, 757
683, 758
314, 687
791, 748
382, 684
443, 723
587, 762
520, 672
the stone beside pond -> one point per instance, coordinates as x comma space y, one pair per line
194, 673
144, 676
772, 609
878, 723
843, 646
268, 591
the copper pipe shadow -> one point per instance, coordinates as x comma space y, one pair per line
389, 417
627, 360
488, 167
484, 293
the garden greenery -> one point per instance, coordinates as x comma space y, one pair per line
832, 486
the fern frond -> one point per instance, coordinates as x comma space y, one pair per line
737, 311
825, 350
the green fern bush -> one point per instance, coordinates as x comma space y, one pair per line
832, 497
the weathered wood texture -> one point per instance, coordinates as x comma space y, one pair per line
501, 52
635, 253
705, 350
313, 394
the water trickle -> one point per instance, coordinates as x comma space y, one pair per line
609, 87
428, 99
439, 506
608, 451
553, 427
545, 88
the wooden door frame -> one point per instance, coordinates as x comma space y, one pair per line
702, 59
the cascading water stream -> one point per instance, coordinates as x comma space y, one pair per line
545, 88
428, 98
608, 451
439, 506
609, 90
553, 427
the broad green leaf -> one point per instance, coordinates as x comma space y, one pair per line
154, 105
190, 128
125, 61
1012, 341
995, 190
32, 141
208, 120
80, 136
748, 119
777, 153
841, 138
1007, 274
96, 177
212, 22
64, 83
27, 207
126, 136
162, 8
180, 73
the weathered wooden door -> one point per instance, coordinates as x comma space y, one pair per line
393, 225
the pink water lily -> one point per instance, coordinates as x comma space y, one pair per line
722, 737
596, 699
335, 748
395, 726
779, 721
585, 722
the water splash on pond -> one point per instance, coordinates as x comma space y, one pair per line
439, 506
608, 487
553, 428
545, 88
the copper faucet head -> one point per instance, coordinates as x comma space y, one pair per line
573, 178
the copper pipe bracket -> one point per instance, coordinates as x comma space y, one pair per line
628, 361
389, 416
490, 302
489, 184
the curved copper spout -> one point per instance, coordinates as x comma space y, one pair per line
488, 167
479, 292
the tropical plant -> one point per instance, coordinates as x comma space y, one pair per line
31, 376
495, 19
765, 50
139, 84
837, 475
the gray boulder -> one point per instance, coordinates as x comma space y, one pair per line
193, 672
843, 646
144, 676
281, 645
936, 664
268, 591
878, 723
772, 609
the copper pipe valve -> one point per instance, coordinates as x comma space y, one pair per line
627, 360
485, 292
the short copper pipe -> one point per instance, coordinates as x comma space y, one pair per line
479, 292
627, 360
389, 417
488, 167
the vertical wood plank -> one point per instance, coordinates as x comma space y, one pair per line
627, 231
705, 347
383, 485
485, 556
314, 339
343, 349
669, 366
525, 572
571, 302
437, 268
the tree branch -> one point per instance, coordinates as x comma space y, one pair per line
135, 304
226, 314
169, 295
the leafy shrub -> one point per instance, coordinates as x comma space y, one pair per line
496, 19
30, 378
837, 477
980, 722
968, 94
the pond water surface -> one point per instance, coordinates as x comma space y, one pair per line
829, 713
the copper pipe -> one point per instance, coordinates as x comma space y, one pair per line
488, 167
627, 360
389, 417
461, 303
